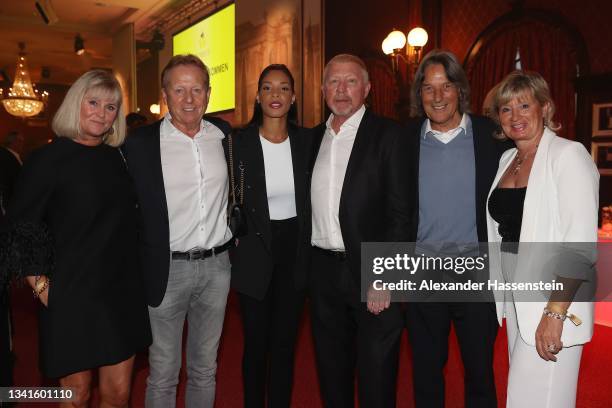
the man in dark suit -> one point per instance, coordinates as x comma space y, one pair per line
180, 174
457, 158
10, 165
358, 194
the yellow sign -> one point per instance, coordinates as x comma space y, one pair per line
213, 40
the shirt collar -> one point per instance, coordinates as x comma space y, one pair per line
455, 131
169, 130
352, 122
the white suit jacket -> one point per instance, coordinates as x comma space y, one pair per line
561, 205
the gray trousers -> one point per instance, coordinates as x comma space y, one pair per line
196, 290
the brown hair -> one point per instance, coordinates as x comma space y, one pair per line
454, 73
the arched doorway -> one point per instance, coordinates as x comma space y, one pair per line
543, 42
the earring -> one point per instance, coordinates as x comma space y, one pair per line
110, 131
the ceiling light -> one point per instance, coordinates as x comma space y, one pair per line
79, 45
23, 99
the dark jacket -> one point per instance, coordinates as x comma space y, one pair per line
252, 260
142, 152
9, 170
377, 195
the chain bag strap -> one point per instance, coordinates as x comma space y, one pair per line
237, 220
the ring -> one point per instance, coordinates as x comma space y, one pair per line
551, 347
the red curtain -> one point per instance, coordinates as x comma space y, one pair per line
543, 48
384, 94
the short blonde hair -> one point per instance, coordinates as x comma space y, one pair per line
66, 122
515, 85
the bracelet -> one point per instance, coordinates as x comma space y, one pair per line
549, 313
40, 288
573, 318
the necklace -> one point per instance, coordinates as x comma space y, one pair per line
519, 161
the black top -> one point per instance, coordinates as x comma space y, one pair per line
506, 207
97, 313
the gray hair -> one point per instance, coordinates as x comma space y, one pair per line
454, 73
66, 122
346, 58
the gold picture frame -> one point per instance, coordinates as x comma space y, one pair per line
602, 119
602, 155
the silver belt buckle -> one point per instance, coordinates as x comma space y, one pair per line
193, 254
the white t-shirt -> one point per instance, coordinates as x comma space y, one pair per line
279, 179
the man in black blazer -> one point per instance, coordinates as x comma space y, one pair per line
358, 194
180, 174
455, 164
10, 166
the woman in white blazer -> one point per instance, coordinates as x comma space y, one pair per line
545, 191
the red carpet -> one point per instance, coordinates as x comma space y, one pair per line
594, 389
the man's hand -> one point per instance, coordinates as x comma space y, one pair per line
378, 300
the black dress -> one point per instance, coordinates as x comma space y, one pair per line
82, 195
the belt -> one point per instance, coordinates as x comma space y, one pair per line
341, 255
199, 253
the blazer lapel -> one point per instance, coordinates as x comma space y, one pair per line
360, 147
535, 188
486, 165
255, 168
153, 154
319, 132
299, 170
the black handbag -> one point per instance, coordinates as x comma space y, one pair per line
236, 215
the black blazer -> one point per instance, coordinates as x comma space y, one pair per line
487, 151
252, 261
9, 170
142, 152
376, 199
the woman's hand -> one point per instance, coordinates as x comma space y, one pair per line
44, 295
33, 281
548, 337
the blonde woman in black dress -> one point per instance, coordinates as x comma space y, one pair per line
73, 236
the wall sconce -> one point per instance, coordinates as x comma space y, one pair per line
396, 41
79, 45
154, 109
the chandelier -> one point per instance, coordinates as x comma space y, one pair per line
23, 99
